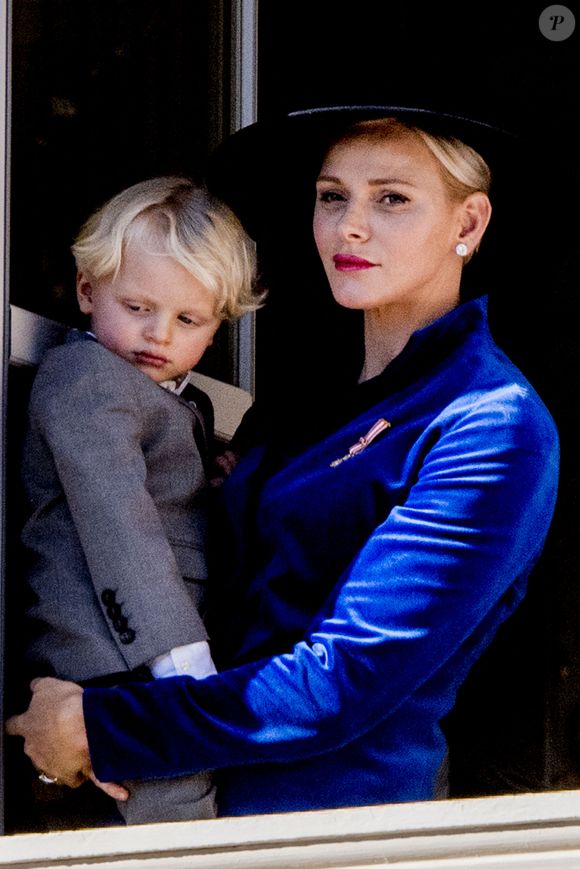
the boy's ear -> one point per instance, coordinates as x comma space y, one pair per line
84, 293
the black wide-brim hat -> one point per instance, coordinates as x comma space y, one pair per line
271, 166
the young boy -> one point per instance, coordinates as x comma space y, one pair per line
116, 457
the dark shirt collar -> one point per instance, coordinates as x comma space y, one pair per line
325, 408
74, 335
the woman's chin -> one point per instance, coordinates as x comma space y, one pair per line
349, 298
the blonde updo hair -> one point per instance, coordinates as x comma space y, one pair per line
172, 216
463, 170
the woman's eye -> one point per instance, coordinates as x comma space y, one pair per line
393, 198
330, 196
187, 321
133, 307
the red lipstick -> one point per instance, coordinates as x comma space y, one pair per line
350, 263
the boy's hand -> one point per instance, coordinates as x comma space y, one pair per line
224, 465
55, 738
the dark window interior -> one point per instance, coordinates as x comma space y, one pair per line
104, 95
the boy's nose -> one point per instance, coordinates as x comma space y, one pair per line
158, 329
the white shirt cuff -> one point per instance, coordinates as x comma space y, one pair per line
191, 660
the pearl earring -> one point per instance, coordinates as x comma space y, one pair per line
461, 249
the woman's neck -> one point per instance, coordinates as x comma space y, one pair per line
387, 331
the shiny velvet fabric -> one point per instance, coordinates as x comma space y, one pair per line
360, 592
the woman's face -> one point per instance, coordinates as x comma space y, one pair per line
385, 224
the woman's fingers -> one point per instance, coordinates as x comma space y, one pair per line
117, 792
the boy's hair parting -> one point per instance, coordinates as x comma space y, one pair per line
172, 216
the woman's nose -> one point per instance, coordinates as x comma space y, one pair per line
354, 223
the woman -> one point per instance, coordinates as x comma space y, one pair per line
374, 549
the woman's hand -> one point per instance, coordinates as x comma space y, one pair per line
54, 733
55, 738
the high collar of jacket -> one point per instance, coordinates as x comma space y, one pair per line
429, 346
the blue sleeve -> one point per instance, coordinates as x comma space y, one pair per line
475, 521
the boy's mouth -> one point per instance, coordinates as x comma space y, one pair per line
143, 357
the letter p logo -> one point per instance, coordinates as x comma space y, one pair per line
557, 23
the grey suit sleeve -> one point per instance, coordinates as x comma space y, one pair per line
93, 426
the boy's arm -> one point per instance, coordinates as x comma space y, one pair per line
193, 659
92, 422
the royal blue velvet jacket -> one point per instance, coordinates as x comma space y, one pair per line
366, 589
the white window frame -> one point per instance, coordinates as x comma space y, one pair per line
244, 102
540, 831
525, 830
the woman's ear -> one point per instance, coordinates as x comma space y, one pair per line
84, 293
474, 218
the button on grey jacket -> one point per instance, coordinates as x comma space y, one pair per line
117, 532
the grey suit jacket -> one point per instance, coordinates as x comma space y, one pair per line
118, 527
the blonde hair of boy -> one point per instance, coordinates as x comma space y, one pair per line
171, 216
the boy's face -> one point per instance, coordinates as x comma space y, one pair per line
154, 314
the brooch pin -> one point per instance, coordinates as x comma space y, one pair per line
380, 426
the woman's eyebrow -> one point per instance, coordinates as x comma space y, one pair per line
373, 182
377, 182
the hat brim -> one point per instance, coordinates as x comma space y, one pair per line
282, 156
